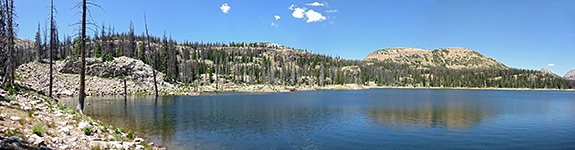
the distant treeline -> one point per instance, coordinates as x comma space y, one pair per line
264, 63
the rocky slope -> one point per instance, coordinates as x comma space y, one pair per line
546, 71
570, 75
29, 120
102, 77
454, 58
105, 78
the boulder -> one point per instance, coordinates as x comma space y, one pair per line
36, 140
138, 140
15, 118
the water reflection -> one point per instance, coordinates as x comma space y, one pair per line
339, 119
452, 118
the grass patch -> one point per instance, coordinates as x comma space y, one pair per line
87, 130
10, 98
96, 148
68, 110
38, 129
118, 138
12, 89
30, 113
13, 132
104, 128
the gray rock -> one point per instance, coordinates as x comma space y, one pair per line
83, 124
138, 140
62, 123
15, 118
73, 139
65, 130
57, 140
59, 114
101, 144
115, 145
36, 140
128, 144
14, 139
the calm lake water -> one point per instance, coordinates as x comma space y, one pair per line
363, 119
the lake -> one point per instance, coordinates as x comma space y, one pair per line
348, 119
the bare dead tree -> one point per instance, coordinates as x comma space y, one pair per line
156, 60
82, 53
84, 22
9, 74
52, 44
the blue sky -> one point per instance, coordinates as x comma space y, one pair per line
528, 34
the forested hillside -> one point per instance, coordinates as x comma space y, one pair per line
194, 63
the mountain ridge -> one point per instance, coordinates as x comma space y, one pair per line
570, 75
453, 57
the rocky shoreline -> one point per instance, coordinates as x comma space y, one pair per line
29, 120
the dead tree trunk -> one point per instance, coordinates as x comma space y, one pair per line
155, 61
52, 30
82, 51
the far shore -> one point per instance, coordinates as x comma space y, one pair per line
260, 88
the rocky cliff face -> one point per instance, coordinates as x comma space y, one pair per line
570, 75
130, 68
453, 58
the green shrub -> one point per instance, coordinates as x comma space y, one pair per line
13, 132
116, 130
107, 58
38, 129
131, 134
87, 130
104, 128
30, 113
12, 89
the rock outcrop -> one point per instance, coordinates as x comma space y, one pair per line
570, 75
453, 58
101, 80
130, 68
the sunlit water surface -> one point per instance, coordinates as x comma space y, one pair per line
363, 119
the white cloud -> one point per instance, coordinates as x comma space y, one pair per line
298, 12
331, 11
277, 17
316, 4
292, 6
313, 16
550, 65
225, 8
274, 25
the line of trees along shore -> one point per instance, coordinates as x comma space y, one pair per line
195, 63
